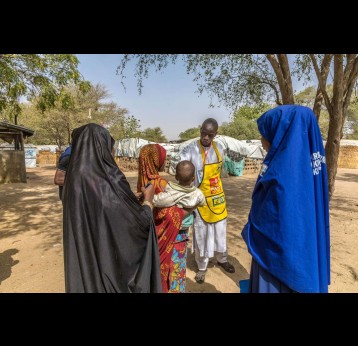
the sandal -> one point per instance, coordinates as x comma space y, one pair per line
200, 276
228, 267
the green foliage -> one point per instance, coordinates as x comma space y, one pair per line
243, 123
117, 120
153, 135
352, 119
324, 124
251, 112
190, 133
240, 129
55, 125
307, 96
37, 76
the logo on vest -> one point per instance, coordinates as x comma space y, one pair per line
215, 187
218, 200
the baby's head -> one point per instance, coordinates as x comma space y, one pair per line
185, 173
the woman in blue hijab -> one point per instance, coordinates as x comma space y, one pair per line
287, 232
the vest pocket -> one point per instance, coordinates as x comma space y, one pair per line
217, 203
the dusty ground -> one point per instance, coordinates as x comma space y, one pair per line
31, 235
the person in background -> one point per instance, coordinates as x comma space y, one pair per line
109, 238
60, 173
287, 233
210, 219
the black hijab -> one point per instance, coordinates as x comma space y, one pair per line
110, 243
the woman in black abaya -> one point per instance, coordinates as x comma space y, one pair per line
110, 243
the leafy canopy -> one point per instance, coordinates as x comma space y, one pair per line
190, 133
153, 134
37, 76
55, 125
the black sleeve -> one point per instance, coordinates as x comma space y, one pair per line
63, 163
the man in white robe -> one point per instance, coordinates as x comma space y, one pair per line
208, 237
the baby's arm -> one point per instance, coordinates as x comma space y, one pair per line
196, 199
201, 199
163, 200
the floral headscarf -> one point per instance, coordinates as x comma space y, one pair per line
151, 159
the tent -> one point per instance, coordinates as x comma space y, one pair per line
130, 147
235, 153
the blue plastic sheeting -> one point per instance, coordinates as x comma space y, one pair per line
234, 168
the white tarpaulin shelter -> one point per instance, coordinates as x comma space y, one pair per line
130, 147
235, 149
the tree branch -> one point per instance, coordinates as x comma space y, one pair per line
348, 68
352, 79
279, 75
322, 84
325, 68
275, 90
285, 68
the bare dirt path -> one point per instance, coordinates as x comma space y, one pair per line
31, 235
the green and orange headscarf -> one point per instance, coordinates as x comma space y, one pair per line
151, 159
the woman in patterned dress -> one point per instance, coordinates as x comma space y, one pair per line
172, 242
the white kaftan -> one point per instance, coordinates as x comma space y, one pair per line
208, 238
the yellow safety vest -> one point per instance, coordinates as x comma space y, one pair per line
212, 188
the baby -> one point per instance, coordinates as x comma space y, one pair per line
182, 194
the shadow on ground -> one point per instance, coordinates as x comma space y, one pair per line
348, 177
6, 263
205, 287
38, 204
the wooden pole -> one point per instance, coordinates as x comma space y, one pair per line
22, 141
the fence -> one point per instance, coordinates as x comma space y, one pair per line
46, 157
126, 164
252, 166
348, 156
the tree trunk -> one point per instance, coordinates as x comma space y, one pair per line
326, 63
332, 150
285, 68
318, 103
282, 72
335, 123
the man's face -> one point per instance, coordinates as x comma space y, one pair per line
207, 134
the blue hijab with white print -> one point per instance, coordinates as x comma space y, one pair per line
288, 226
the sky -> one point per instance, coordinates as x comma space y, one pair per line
168, 100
